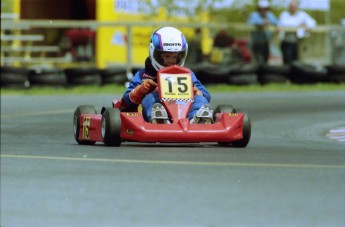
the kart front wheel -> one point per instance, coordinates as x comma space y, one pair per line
83, 109
111, 127
246, 131
223, 109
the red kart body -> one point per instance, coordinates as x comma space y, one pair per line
175, 89
135, 128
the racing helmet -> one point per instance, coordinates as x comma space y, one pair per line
167, 39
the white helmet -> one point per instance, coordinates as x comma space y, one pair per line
167, 39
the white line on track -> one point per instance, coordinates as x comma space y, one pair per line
164, 162
337, 134
53, 112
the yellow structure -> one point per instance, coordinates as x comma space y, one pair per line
111, 42
12, 10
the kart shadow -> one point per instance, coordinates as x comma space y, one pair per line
170, 145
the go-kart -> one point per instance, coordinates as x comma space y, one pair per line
115, 125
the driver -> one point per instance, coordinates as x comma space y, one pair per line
142, 87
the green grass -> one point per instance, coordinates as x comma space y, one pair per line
119, 89
278, 88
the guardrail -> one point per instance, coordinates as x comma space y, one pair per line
30, 48
91, 24
22, 37
35, 59
25, 24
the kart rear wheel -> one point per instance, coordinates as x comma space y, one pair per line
83, 109
111, 127
246, 130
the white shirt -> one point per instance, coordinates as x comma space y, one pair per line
296, 20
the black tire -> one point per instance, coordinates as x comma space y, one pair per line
214, 74
302, 73
223, 109
243, 79
246, 126
14, 77
337, 78
84, 80
275, 69
264, 78
249, 68
111, 127
83, 109
336, 73
83, 76
243, 74
47, 76
336, 69
273, 74
246, 133
114, 75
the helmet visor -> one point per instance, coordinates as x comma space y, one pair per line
167, 58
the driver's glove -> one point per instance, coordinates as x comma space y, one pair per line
139, 92
197, 91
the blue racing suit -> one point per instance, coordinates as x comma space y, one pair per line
150, 73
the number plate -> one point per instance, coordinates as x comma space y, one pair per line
176, 86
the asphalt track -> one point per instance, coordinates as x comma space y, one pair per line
290, 174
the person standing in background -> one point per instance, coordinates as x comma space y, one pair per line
298, 20
261, 36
